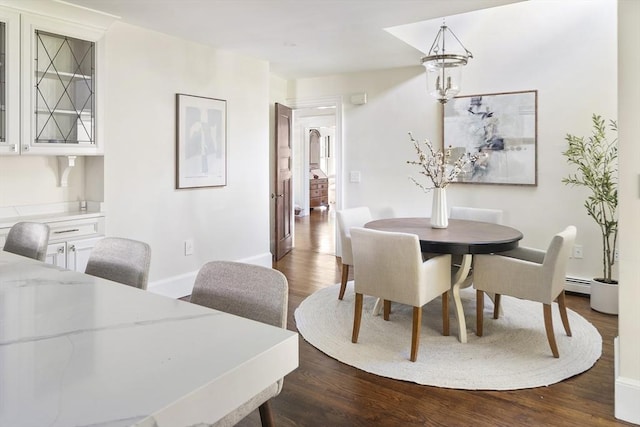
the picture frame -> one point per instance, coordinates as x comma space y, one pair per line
201, 141
501, 130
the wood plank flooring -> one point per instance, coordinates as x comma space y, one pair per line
325, 392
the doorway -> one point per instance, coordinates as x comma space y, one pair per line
317, 169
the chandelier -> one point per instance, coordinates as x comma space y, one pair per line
444, 66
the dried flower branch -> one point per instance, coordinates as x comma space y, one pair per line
437, 166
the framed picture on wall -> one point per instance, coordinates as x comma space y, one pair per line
201, 142
501, 129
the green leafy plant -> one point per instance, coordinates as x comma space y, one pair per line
596, 159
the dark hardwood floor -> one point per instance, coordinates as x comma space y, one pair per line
325, 392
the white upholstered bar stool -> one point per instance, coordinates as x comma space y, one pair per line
251, 291
121, 260
29, 239
348, 218
527, 274
390, 266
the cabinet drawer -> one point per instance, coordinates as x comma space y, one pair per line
65, 230
315, 193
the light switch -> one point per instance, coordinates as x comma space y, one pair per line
354, 176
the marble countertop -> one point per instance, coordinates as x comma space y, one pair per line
76, 350
48, 213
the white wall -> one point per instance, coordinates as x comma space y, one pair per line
548, 46
145, 71
33, 180
628, 351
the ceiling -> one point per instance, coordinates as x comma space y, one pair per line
299, 38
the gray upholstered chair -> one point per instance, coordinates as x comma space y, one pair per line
251, 291
121, 260
28, 239
527, 274
390, 266
348, 218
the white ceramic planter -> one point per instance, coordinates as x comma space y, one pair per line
604, 297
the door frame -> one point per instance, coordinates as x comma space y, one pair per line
319, 102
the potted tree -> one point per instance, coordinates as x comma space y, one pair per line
596, 159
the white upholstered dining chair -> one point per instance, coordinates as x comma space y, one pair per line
121, 260
251, 291
29, 239
389, 266
476, 214
527, 274
348, 218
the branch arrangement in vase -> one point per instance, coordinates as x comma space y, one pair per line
437, 165
596, 159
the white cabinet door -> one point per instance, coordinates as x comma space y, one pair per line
61, 87
57, 255
10, 93
78, 252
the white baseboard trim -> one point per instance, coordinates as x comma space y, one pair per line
181, 285
265, 260
627, 391
577, 285
174, 287
627, 396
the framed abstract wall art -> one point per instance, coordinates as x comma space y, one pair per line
201, 142
501, 130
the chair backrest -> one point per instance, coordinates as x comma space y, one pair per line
246, 290
476, 214
28, 239
389, 265
556, 258
347, 219
121, 260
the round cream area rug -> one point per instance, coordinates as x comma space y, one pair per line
512, 354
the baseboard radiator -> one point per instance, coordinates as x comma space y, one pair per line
578, 285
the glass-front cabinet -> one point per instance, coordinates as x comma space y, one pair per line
61, 93
9, 83
64, 89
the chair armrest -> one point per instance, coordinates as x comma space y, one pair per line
526, 254
510, 276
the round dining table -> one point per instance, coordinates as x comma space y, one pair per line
461, 237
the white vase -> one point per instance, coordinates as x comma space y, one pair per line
439, 209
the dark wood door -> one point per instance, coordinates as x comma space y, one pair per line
283, 187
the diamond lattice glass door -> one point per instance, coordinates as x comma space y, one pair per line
64, 90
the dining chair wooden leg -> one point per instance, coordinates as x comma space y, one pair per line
415, 332
445, 314
562, 306
357, 317
496, 306
345, 279
387, 309
266, 415
479, 312
548, 326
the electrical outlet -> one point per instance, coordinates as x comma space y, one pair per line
354, 176
616, 255
577, 252
188, 247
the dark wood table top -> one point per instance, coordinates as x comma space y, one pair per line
461, 237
